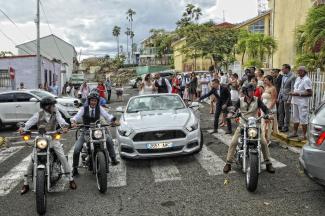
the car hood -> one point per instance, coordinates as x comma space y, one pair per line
157, 119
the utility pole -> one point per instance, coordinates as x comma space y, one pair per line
37, 21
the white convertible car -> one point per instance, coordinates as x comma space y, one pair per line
158, 125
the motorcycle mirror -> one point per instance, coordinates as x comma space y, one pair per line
20, 124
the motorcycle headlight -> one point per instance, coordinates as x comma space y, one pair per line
252, 133
192, 127
41, 143
98, 134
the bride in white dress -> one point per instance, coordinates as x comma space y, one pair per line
147, 86
269, 97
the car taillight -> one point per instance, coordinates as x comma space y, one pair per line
320, 139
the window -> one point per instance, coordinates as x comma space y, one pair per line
257, 27
50, 75
45, 76
23, 97
5, 78
5, 98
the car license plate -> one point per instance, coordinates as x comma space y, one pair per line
159, 145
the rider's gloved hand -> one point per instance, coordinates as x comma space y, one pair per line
74, 124
21, 130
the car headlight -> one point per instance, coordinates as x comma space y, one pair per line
193, 127
252, 133
41, 143
98, 134
125, 131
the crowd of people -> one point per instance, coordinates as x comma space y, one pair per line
285, 93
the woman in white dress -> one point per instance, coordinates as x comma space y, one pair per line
269, 97
147, 86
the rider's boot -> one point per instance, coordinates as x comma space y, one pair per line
270, 168
24, 190
115, 162
227, 168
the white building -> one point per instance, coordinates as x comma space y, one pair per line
53, 47
25, 68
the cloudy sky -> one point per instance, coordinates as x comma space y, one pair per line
87, 24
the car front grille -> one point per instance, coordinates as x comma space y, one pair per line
149, 151
159, 135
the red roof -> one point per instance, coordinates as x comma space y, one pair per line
225, 25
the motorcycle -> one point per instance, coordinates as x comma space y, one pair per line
248, 152
94, 153
46, 165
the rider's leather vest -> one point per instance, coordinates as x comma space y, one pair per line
49, 126
87, 119
248, 109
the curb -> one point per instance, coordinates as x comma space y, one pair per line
291, 142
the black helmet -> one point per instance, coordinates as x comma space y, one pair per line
247, 88
93, 95
47, 101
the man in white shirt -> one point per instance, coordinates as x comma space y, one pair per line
300, 101
205, 84
90, 114
223, 79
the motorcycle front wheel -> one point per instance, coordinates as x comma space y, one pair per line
41, 192
252, 172
101, 174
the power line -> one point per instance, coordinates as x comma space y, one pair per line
13, 42
52, 32
33, 41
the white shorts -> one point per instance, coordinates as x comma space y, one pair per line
300, 114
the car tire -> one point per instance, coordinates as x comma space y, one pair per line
201, 144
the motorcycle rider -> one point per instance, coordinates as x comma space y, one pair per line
90, 114
49, 117
248, 106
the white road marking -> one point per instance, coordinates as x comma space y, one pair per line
13, 177
7, 153
211, 162
226, 139
117, 174
165, 170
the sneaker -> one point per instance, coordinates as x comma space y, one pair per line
24, 190
270, 168
227, 168
73, 185
75, 172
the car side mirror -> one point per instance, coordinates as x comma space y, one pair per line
20, 124
33, 100
120, 109
194, 105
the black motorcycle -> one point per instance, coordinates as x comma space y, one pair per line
94, 153
46, 165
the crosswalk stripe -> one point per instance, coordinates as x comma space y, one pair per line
117, 174
226, 139
7, 153
210, 162
164, 170
13, 177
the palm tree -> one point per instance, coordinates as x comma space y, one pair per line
116, 33
130, 13
197, 12
128, 33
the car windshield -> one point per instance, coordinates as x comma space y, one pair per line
43, 94
155, 102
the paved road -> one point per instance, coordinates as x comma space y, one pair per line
191, 185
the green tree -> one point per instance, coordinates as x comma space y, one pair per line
162, 41
191, 14
116, 33
258, 47
310, 39
130, 14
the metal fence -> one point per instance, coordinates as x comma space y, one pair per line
5, 81
318, 85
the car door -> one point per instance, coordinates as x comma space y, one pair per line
25, 108
7, 108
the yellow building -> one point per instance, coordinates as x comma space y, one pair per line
181, 63
287, 15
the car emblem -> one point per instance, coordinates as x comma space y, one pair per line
159, 135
